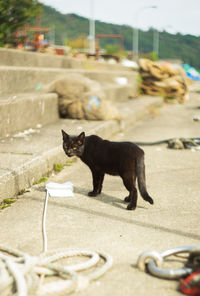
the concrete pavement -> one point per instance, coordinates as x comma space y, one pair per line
103, 223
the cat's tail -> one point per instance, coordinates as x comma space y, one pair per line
140, 169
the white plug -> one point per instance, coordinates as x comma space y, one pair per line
60, 190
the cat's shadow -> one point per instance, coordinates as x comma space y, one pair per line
105, 198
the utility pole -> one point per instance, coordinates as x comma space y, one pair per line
92, 28
156, 41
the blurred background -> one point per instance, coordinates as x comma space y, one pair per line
130, 29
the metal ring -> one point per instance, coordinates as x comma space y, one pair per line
175, 273
155, 269
143, 259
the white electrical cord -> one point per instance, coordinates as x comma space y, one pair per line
44, 233
20, 272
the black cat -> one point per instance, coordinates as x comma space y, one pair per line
124, 159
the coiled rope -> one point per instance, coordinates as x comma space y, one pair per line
22, 274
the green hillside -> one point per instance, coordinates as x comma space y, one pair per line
71, 26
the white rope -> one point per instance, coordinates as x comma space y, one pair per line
21, 273
44, 234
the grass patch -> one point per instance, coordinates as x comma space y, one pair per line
69, 163
7, 202
58, 167
22, 192
42, 180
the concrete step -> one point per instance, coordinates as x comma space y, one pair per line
30, 79
20, 111
29, 110
118, 93
24, 111
12, 57
27, 157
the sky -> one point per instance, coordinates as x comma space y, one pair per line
170, 15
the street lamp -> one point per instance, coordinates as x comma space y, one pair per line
92, 28
135, 29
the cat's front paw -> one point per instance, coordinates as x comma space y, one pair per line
131, 207
92, 193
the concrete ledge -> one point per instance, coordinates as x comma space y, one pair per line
25, 111
28, 79
12, 57
32, 156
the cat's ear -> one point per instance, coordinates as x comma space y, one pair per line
65, 136
81, 138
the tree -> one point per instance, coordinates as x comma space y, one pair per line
13, 15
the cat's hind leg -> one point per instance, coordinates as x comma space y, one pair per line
129, 183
